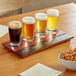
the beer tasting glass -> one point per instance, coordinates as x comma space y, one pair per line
40, 26
28, 28
52, 21
15, 29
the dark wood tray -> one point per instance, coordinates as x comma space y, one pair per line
39, 44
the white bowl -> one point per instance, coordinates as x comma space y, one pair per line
71, 65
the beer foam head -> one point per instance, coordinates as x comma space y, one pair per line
41, 16
15, 24
53, 12
28, 20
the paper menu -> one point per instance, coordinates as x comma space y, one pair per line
40, 70
3, 30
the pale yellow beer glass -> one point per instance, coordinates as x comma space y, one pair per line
52, 21
40, 26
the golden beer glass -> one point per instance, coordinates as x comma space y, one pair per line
40, 26
52, 21
28, 28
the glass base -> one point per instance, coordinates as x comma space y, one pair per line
15, 44
52, 31
41, 35
28, 39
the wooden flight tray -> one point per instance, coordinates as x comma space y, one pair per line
39, 44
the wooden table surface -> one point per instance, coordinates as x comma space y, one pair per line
12, 65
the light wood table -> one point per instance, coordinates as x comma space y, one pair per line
12, 65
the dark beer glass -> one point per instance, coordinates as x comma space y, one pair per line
15, 29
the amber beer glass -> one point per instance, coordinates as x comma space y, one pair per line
28, 28
40, 26
15, 29
52, 21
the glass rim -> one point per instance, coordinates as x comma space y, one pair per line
53, 12
15, 24
41, 16
28, 20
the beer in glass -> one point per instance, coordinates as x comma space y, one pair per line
52, 21
28, 28
40, 26
15, 28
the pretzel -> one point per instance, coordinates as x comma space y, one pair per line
69, 55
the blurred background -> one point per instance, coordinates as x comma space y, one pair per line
13, 7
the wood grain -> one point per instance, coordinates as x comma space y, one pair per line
12, 65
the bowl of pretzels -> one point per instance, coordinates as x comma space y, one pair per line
68, 59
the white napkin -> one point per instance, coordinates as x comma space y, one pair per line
73, 43
3, 30
40, 70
